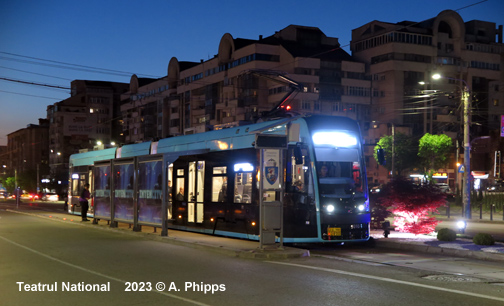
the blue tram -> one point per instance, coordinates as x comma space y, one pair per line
209, 182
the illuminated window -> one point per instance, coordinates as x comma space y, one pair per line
219, 184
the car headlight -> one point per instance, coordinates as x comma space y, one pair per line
461, 224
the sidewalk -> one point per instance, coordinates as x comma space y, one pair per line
250, 249
429, 244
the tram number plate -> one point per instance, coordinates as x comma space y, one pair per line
334, 231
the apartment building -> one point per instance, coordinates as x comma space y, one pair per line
27, 154
89, 115
142, 109
401, 59
246, 78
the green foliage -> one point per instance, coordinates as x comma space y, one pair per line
405, 148
434, 150
483, 239
446, 234
10, 184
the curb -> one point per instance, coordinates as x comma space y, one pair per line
381, 243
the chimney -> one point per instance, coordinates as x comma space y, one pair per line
499, 35
260, 37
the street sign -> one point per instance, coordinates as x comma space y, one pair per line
461, 169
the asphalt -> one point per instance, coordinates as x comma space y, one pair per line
250, 249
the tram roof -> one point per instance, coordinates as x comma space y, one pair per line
88, 158
233, 138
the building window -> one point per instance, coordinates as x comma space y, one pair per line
496, 102
306, 105
316, 106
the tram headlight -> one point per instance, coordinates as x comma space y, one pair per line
330, 208
361, 207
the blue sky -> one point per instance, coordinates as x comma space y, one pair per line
141, 36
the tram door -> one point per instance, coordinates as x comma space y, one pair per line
91, 191
196, 185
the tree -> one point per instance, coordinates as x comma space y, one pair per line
411, 205
406, 149
434, 151
10, 184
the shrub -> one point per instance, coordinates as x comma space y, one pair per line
483, 239
446, 234
412, 205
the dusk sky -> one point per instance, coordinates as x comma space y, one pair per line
39, 38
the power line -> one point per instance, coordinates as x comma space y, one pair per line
41, 74
33, 83
17, 93
63, 65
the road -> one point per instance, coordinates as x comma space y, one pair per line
40, 253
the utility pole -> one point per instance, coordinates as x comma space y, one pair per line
393, 150
467, 152
457, 168
466, 100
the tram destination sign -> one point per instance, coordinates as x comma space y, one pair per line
271, 141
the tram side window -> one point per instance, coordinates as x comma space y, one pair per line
180, 195
78, 185
219, 184
356, 173
298, 173
243, 187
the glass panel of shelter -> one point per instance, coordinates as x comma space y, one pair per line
170, 190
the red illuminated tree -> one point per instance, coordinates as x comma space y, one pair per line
411, 205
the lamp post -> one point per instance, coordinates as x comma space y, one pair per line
466, 99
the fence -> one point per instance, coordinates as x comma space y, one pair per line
484, 206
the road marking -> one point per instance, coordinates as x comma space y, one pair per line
384, 279
97, 273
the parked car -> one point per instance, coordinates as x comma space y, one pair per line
375, 189
445, 188
50, 197
495, 188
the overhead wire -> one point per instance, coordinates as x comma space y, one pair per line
64, 65
36, 96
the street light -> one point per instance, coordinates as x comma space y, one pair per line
466, 98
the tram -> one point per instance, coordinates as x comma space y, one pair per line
209, 182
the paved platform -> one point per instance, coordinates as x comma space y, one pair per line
250, 249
